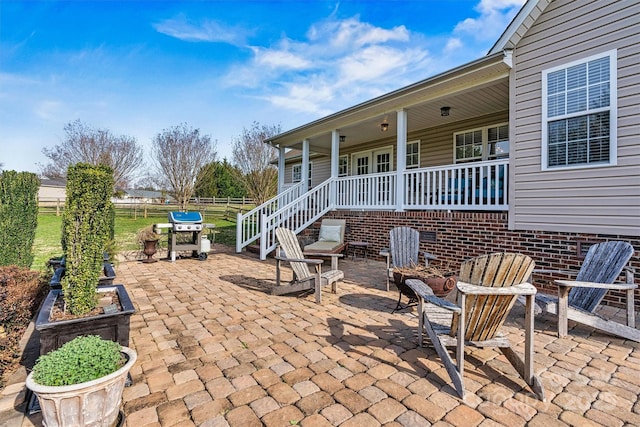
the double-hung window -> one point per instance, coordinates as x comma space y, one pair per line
296, 173
343, 165
579, 113
413, 154
486, 143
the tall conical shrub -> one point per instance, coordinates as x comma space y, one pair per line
86, 228
18, 217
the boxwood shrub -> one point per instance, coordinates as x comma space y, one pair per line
87, 224
18, 217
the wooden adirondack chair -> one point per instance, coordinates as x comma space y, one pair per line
404, 250
303, 279
487, 289
578, 299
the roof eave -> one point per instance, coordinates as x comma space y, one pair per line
391, 98
518, 25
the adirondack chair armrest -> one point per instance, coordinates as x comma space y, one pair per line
428, 257
443, 303
307, 261
426, 293
577, 284
520, 289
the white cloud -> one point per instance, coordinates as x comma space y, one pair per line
338, 63
48, 110
206, 31
343, 62
452, 45
279, 59
494, 17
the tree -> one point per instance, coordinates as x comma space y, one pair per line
83, 144
253, 157
179, 153
219, 179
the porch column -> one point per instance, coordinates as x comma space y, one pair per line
401, 158
305, 165
280, 168
335, 155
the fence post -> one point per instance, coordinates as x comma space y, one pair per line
239, 233
57, 207
145, 210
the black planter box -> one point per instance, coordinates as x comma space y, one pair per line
114, 326
107, 278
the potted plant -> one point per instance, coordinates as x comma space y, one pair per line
81, 307
81, 383
149, 239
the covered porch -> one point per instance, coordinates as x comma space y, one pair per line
439, 144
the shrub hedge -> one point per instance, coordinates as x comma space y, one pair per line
87, 224
18, 217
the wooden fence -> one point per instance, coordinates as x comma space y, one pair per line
226, 208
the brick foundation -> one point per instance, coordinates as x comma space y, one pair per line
463, 235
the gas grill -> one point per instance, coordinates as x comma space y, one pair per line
185, 234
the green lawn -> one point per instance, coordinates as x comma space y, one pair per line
47, 241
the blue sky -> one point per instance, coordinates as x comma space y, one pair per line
138, 67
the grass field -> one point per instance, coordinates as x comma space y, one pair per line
47, 241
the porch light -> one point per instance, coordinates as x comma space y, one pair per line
444, 111
384, 126
343, 138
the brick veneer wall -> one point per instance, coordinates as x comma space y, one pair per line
463, 235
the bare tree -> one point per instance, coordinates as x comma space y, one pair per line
179, 153
253, 157
83, 144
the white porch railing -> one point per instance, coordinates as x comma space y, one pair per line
295, 216
248, 225
469, 186
373, 191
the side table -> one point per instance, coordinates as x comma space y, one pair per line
363, 246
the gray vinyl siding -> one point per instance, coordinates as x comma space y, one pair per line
591, 200
436, 146
320, 169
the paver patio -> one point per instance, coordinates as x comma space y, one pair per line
216, 350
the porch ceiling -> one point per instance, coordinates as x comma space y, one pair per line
473, 90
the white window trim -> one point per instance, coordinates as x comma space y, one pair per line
370, 153
415, 141
613, 112
343, 156
485, 141
299, 165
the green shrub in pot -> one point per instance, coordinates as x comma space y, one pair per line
82, 359
81, 383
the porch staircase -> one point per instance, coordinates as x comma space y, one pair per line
291, 209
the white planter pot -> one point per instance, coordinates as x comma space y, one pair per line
91, 404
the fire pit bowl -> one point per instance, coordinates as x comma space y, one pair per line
441, 286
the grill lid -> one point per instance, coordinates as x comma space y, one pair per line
185, 217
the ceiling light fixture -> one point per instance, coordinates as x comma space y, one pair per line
343, 138
444, 111
384, 126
